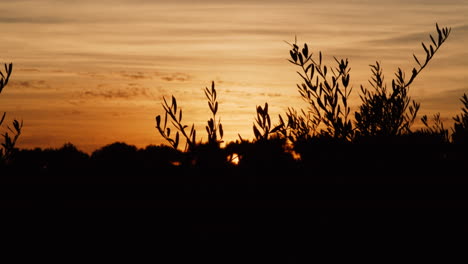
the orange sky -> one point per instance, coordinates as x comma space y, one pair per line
94, 72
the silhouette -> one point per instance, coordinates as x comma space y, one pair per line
315, 176
460, 129
9, 142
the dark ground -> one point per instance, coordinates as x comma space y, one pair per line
279, 211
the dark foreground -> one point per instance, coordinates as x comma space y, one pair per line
291, 209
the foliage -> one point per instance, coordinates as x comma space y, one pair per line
390, 113
262, 128
460, 128
9, 141
176, 120
213, 128
326, 90
436, 130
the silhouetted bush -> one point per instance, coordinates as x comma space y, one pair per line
392, 113
153, 158
115, 157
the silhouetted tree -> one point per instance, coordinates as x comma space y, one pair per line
116, 157
158, 157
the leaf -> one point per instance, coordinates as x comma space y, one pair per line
158, 120
211, 124
308, 68
425, 48
415, 72
3, 118
305, 50
259, 110
320, 103
438, 30
176, 143
174, 104
215, 108
256, 132
221, 132
276, 128
301, 59
433, 41
293, 56
211, 107
180, 115
416, 59
345, 80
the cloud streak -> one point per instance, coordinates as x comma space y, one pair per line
39, 85
126, 93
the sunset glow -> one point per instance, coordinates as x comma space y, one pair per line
95, 72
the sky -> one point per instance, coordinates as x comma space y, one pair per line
95, 72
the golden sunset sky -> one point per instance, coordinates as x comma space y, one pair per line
92, 72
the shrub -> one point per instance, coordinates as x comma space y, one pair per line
326, 90
391, 113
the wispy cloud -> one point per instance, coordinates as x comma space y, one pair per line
29, 84
117, 93
135, 75
178, 76
27, 70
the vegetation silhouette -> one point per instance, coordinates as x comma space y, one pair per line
321, 140
9, 142
324, 135
311, 177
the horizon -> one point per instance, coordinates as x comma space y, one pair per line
93, 73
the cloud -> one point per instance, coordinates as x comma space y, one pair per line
272, 94
410, 39
29, 84
180, 77
120, 93
444, 102
27, 70
33, 20
135, 75
139, 75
